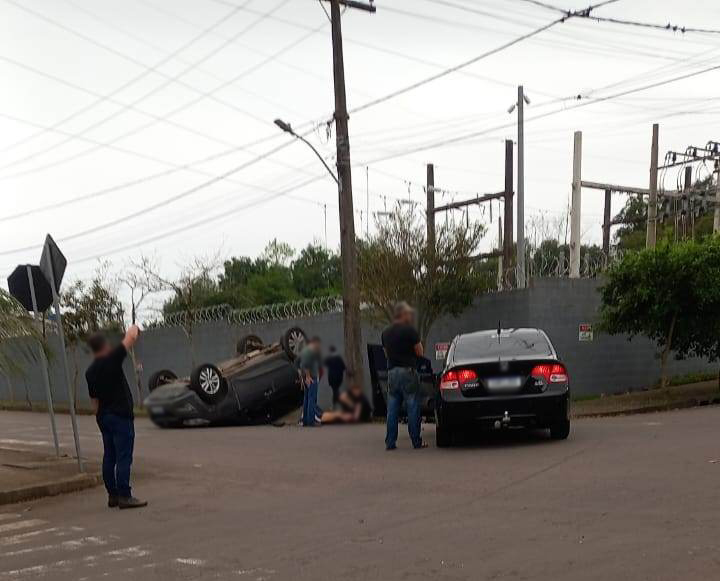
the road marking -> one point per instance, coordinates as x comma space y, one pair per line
193, 562
23, 524
18, 539
65, 565
25, 442
71, 545
8, 516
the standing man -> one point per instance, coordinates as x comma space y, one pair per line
113, 403
336, 373
310, 366
403, 348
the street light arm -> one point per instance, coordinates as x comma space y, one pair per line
320, 157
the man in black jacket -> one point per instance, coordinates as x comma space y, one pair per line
113, 402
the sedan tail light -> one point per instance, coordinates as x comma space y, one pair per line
456, 378
550, 372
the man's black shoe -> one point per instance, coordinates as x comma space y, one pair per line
131, 502
113, 501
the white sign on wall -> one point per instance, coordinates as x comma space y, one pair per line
586, 332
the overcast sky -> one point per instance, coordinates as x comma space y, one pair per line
140, 107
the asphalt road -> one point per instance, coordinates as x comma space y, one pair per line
624, 498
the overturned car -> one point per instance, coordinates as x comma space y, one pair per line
260, 384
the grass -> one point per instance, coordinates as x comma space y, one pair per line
672, 397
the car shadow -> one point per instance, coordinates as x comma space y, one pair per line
506, 438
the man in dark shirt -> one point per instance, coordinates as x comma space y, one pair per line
336, 372
403, 348
113, 402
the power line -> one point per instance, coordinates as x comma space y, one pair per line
467, 136
669, 26
163, 203
202, 95
169, 80
147, 70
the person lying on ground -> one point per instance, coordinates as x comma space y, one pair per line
353, 408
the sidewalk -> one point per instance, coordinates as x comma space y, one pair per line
25, 475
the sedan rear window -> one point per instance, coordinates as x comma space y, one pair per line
510, 344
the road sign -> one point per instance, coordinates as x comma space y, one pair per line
441, 350
19, 287
53, 263
585, 332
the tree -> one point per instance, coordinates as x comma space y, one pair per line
16, 323
88, 308
395, 264
671, 295
317, 272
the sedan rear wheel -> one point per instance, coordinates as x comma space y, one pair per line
560, 430
443, 435
207, 381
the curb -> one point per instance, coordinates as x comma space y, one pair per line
651, 409
62, 486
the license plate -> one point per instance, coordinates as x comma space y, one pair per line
504, 383
157, 410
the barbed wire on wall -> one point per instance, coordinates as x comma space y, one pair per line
255, 315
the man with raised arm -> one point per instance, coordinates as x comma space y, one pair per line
113, 403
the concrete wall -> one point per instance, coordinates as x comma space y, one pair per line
605, 365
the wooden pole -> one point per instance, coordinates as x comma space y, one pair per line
607, 217
508, 227
431, 210
348, 251
576, 210
651, 235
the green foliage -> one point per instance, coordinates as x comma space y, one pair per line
632, 236
272, 278
671, 295
88, 308
16, 323
395, 264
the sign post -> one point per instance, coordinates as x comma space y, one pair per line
44, 364
53, 264
28, 285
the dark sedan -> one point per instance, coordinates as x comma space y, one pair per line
259, 385
500, 379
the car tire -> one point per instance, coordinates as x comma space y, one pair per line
207, 381
249, 343
443, 435
560, 430
292, 341
159, 378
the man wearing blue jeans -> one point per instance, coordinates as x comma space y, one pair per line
403, 348
110, 393
310, 364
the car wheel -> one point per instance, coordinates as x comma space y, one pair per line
560, 430
293, 341
443, 436
249, 343
207, 381
159, 378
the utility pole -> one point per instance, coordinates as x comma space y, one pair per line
430, 189
576, 211
651, 236
607, 217
508, 229
348, 250
716, 220
521, 188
